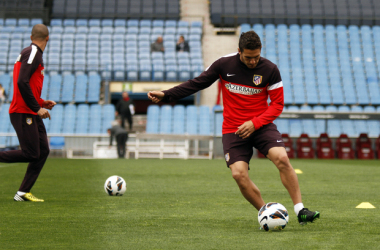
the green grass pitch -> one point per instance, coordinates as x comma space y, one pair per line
186, 204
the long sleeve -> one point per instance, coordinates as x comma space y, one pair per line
204, 80
276, 95
29, 64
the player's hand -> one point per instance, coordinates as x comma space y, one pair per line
245, 130
116, 113
156, 96
43, 113
49, 104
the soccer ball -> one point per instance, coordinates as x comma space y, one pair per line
273, 216
115, 185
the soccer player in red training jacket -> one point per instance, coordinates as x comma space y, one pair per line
247, 81
27, 111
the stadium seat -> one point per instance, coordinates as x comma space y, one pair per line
204, 120
324, 147
179, 120
192, 120
153, 118
344, 147
364, 147
305, 148
166, 119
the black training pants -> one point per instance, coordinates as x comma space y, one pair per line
34, 145
127, 116
121, 140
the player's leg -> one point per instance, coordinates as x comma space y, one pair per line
268, 141
288, 176
35, 167
249, 190
27, 132
238, 152
38, 147
289, 179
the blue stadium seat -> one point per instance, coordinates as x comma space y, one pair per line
11, 22
56, 22
120, 22
158, 23
153, 118
166, 120
204, 121
120, 30
35, 21
94, 23
93, 90
344, 109
296, 128
373, 128
179, 119
171, 72
348, 128
132, 23
107, 23
68, 88
81, 81
192, 120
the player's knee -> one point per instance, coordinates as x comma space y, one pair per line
239, 176
32, 157
45, 153
282, 162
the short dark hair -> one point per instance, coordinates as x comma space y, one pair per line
39, 32
249, 40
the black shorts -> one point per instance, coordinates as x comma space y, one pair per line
237, 149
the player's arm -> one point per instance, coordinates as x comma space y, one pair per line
204, 80
29, 64
276, 94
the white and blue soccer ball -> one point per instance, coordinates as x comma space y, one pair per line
115, 185
273, 217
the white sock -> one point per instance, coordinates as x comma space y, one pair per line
21, 193
298, 207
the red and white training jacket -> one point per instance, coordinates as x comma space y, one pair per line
28, 78
245, 91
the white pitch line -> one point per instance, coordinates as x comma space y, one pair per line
7, 165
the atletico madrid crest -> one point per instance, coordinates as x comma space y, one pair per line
227, 157
257, 79
29, 121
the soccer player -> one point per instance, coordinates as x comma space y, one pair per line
247, 81
27, 111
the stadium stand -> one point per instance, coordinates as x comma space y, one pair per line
117, 49
324, 65
227, 13
121, 50
135, 9
23, 9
